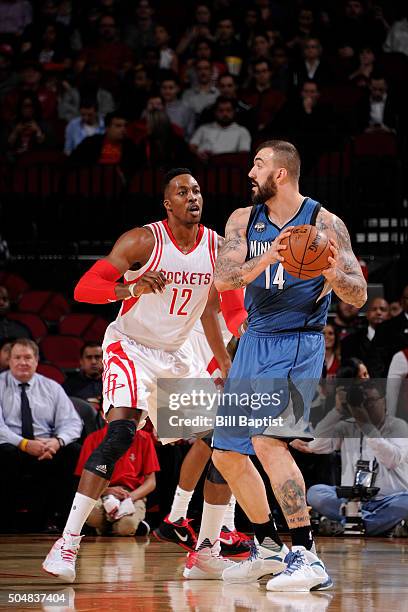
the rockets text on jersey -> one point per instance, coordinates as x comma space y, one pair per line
164, 320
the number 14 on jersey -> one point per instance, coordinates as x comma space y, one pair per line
278, 280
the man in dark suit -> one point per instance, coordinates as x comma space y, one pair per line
391, 337
359, 344
378, 110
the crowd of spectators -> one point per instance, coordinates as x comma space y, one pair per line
196, 80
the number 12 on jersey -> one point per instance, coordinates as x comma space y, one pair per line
278, 280
185, 297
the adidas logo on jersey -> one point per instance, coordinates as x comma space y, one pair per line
101, 468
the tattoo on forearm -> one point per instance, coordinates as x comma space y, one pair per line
292, 499
349, 283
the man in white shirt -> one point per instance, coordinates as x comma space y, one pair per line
370, 435
38, 431
223, 135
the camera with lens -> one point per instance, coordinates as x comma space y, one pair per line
361, 491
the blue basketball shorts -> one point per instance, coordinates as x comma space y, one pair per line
269, 389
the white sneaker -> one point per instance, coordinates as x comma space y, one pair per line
60, 561
206, 564
304, 572
261, 561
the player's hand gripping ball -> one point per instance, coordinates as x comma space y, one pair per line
307, 253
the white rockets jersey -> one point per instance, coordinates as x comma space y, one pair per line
164, 320
226, 334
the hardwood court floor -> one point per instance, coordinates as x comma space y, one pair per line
138, 574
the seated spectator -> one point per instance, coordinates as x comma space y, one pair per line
281, 78
346, 320
312, 66
304, 30
38, 430
361, 76
397, 387
14, 18
359, 343
49, 47
265, 101
309, 122
332, 354
250, 26
8, 327
31, 83
139, 30
69, 98
87, 383
224, 135
161, 143
397, 37
109, 53
87, 124
390, 338
359, 26
5, 345
8, 76
378, 110
364, 430
137, 88
168, 58
200, 28
178, 112
228, 88
395, 308
227, 47
112, 148
261, 47
29, 132
204, 49
204, 93
123, 504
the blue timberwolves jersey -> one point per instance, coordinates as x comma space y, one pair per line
275, 300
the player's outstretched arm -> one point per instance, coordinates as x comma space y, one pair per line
99, 285
231, 269
344, 273
212, 330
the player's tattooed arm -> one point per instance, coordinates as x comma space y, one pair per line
344, 272
231, 269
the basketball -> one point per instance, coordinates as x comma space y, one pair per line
307, 253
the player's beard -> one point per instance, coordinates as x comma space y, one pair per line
266, 191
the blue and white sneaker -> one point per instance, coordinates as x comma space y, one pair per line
262, 560
304, 572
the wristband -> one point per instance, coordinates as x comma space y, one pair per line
23, 444
131, 288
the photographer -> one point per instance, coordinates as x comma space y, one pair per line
359, 427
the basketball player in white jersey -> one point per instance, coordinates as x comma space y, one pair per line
176, 527
168, 272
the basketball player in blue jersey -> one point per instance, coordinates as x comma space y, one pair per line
281, 354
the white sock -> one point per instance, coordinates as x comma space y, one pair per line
229, 516
180, 504
82, 507
211, 523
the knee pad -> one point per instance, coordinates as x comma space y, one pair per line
119, 437
213, 475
